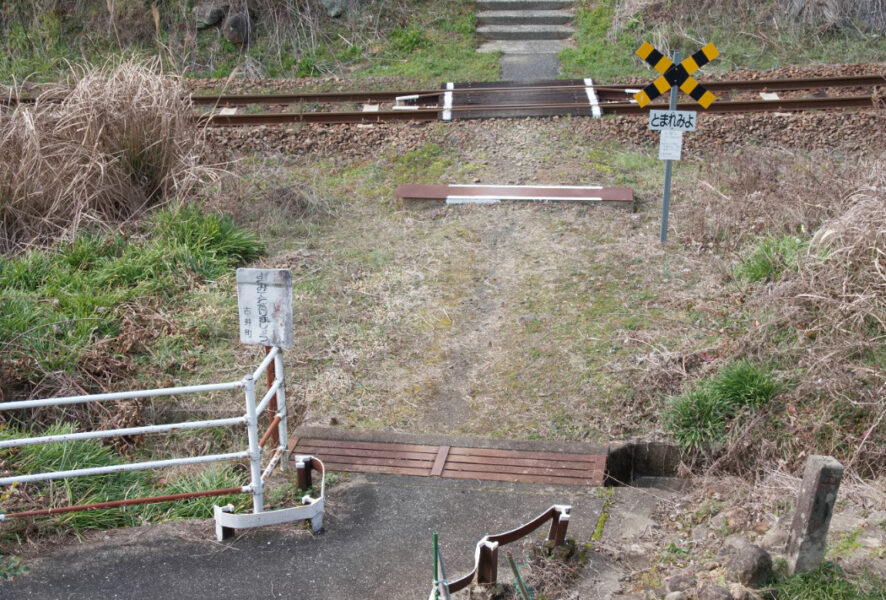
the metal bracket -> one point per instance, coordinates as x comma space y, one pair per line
227, 521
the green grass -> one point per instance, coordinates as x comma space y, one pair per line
84, 454
434, 47
427, 41
11, 566
703, 415
829, 582
769, 257
744, 39
595, 55
55, 305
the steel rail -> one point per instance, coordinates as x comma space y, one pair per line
614, 108
783, 104
120, 468
318, 117
119, 503
172, 391
106, 433
313, 98
749, 106
387, 96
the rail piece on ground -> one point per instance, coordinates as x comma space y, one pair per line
456, 461
621, 197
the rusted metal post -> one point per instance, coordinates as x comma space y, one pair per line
282, 431
303, 472
559, 524
487, 566
272, 405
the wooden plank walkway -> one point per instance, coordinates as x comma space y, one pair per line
558, 468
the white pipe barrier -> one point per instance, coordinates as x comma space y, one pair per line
225, 519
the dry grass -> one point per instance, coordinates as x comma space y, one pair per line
121, 141
836, 303
764, 191
825, 322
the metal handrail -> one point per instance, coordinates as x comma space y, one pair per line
275, 398
486, 552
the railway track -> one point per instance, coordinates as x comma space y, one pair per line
504, 99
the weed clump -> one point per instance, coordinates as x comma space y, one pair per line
703, 415
829, 582
769, 257
120, 141
84, 454
73, 318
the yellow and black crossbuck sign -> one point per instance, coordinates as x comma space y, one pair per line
678, 75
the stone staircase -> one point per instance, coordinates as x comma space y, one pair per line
529, 33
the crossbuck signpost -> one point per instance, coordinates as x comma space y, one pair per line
672, 123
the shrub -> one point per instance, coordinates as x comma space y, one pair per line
122, 140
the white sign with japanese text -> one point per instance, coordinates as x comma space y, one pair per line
671, 144
264, 297
683, 120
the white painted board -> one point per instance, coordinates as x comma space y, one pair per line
264, 297
684, 120
670, 145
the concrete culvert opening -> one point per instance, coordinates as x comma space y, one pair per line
643, 464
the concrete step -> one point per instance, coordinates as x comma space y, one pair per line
525, 32
523, 17
524, 47
482, 5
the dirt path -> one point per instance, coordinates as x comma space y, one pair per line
471, 340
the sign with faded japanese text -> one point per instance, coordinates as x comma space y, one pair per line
264, 297
683, 120
670, 145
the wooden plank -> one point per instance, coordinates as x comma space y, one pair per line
369, 445
522, 478
456, 462
440, 461
381, 462
518, 470
564, 456
375, 469
521, 462
320, 451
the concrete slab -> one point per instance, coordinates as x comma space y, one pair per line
525, 46
524, 17
377, 544
524, 32
525, 67
482, 5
